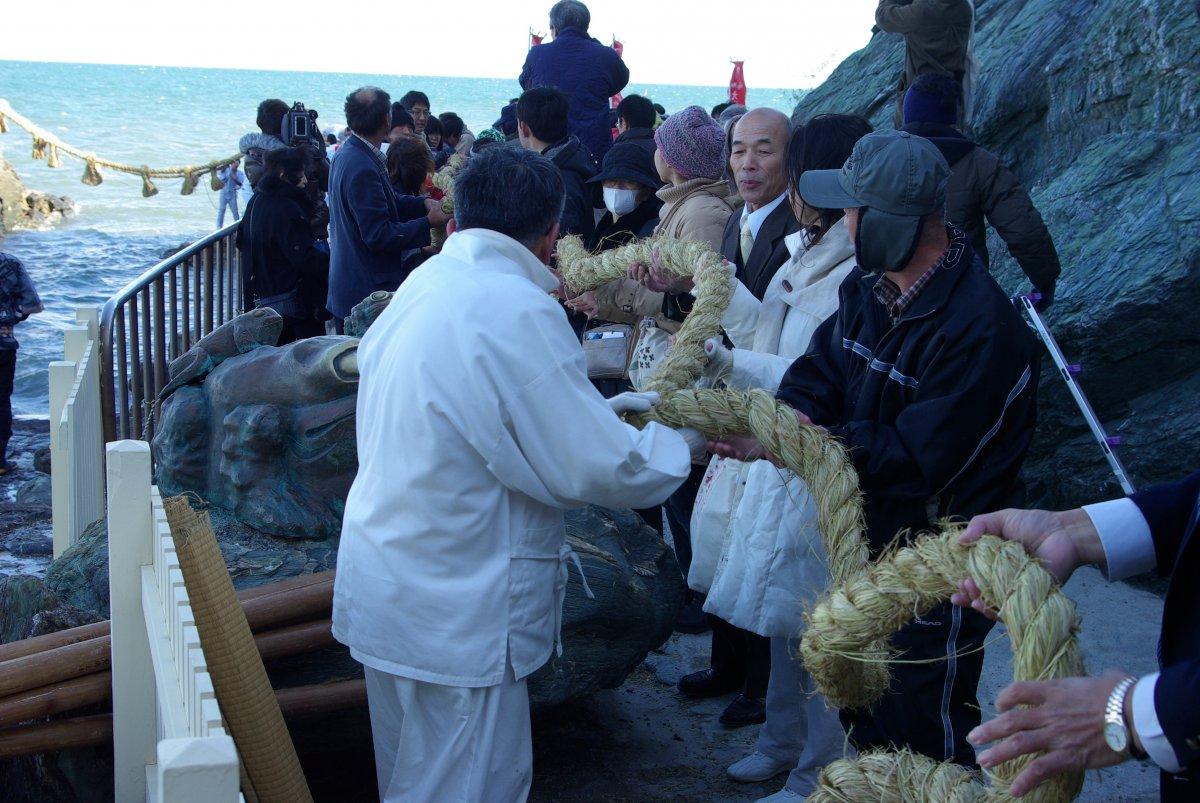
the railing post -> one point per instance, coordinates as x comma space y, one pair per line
89, 316
130, 546
203, 770
62, 377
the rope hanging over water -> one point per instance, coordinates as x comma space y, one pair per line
844, 644
47, 146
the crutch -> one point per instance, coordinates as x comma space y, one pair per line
1068, 371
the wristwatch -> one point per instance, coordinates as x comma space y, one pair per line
1116, 733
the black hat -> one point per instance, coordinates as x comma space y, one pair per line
628, 161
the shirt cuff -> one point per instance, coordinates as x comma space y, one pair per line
1149, 730
1125, 538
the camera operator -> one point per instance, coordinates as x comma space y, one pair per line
18, 300
298, 129
282, 265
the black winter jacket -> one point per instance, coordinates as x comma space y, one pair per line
637, 225
937, 410
575, 165
981, 186
279, 251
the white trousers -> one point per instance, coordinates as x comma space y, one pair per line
450, 743
800, 729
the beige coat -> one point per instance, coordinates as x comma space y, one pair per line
696, 210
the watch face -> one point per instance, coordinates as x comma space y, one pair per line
1116, 737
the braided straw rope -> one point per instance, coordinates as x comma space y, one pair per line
444, 181
819, 460
46, 146
1042, 625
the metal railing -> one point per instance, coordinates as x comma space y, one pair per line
157, 317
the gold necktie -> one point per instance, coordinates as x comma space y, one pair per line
747, 241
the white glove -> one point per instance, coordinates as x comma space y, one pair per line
633, 402
720, 360
697, 443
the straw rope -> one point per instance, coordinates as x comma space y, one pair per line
1042, 626
47, 146
270, 770
444, 181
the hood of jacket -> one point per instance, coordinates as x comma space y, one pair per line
257, 139
953, 143
718, 188
571, 155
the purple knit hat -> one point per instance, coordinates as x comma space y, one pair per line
692, 143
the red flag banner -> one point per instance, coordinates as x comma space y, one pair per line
737, 84
535, 38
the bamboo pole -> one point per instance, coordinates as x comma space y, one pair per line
96, 730
19, 649
56, 698
59, 695
291, 602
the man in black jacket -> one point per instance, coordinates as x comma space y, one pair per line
635, 121
1088, 723
928, 375
542, 127
981, 186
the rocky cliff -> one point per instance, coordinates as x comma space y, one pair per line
21, 208
1094, 104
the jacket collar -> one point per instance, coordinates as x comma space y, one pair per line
674, 193
499, 252
959, 259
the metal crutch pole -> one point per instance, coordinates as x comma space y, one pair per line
1067, 372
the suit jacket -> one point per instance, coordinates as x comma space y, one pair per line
769, 253
1172, 512
370, 226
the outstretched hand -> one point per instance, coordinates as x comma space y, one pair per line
657, 279
1062, 718
748, 448
1061, 541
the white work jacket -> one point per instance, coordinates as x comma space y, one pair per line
477, 426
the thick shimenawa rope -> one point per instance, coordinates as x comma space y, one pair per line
47, 146
819, 460
844, 644
1042, 626
444, 181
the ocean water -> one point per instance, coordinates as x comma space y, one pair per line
164, 116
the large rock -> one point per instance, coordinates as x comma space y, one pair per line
1094, 104
23, 209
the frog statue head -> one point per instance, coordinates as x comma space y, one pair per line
268, 435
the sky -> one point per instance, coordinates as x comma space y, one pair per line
785, 43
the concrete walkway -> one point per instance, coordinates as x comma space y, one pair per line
644, 742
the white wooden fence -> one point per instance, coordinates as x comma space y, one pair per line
168, 740
76, 432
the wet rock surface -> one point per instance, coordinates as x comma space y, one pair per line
21, 208
1097, 110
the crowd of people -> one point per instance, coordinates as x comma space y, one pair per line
861, 298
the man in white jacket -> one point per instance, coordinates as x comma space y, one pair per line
477, 427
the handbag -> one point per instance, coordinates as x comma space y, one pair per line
608, 349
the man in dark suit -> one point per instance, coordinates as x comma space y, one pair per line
1087, 723
369, 224
754, 240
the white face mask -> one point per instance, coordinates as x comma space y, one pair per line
620, 202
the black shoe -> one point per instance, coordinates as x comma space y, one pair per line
706, 683
691, 618
7, 467
744, 711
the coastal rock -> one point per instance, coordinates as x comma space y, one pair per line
35, 492
41, 460
1097, 110
24, 209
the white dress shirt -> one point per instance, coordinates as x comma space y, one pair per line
1128, 551
759, 215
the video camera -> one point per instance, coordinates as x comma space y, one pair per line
299, 127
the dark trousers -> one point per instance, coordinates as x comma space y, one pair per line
8, 369
1178, 788
299, 329
930, 707
741, 654
679, 516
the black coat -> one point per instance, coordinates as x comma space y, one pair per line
1172, 512
937, 410
642, 137
769, 252
575, 166
636, 225
278, 248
